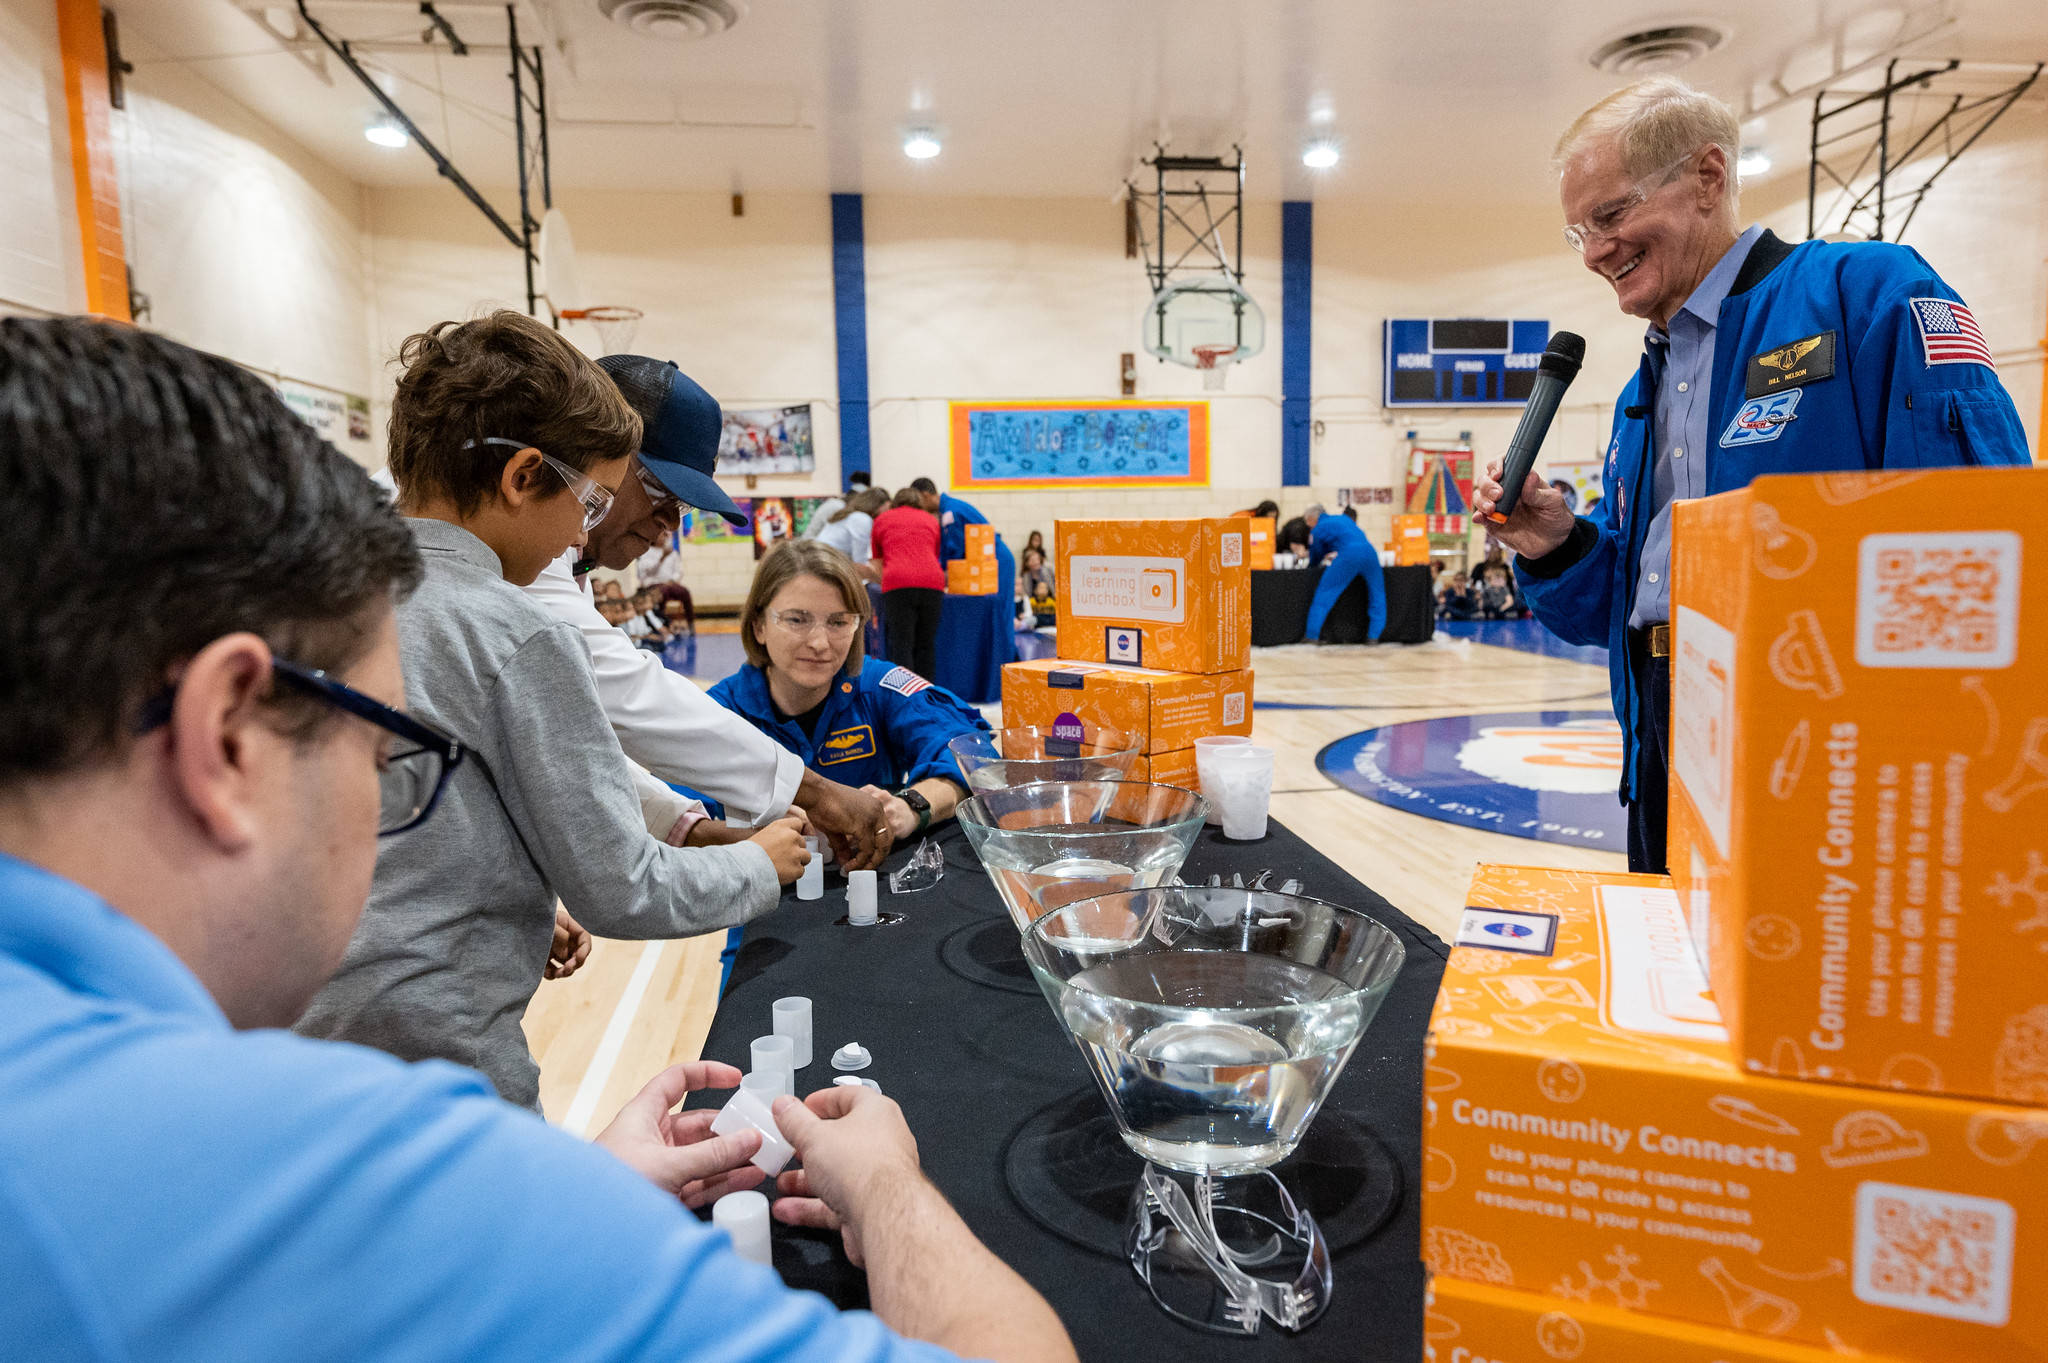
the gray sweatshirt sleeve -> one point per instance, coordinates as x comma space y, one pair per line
570, 795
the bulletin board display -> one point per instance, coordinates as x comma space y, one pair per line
1080, 444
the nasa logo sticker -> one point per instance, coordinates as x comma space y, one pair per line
1122, 644
1531, 934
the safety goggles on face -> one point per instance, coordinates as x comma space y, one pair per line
802, 624
659, 498
595, 497
1608, 218
410, 777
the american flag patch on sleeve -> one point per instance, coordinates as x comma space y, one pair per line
1948, 333
904, 682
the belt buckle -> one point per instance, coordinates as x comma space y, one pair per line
1660, 641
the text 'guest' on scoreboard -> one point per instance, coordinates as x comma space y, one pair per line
1461, 361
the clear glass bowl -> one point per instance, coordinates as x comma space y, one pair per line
1215, 1019
1053, 842
1026, 755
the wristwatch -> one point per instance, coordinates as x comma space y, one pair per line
913, 797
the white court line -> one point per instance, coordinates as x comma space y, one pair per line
614, 1040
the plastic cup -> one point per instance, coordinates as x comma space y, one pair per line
793, 1020
860, 899
766, 1084
811, 884
777, 1054
1203, 748
1244, 788
748, 1109
744, 1216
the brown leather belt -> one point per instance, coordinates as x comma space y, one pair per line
1657, 640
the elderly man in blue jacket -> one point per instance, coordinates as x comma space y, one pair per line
1761, 357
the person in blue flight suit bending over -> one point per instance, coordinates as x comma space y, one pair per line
1356, 558
1761, 357
954, 518
859, 721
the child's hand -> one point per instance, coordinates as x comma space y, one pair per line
784, 845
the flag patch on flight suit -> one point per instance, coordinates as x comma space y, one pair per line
847, 745
1761, 419
1800, 362
903, 682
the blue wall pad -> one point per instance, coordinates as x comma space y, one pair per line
850, 326
1297, 258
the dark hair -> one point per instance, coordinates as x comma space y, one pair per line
925, 485
143, 476
1266, 508
859, 478
906, 496
502, 375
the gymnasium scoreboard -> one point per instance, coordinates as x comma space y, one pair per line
1461, 361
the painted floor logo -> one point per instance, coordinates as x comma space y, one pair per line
1549, 775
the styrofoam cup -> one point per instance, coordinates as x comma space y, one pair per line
793, 1020
1204, 747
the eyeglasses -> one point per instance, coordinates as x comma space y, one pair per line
1607, 219
659, 498
595, 497
802, 623
410, 779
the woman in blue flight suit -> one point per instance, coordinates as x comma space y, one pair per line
861, 722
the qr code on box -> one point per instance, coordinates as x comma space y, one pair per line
1233, 550
1941, 1254
1233, 708
1940, 599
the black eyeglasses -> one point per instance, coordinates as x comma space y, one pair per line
410, 779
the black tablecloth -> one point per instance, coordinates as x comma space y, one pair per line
1281, 597
999, 1099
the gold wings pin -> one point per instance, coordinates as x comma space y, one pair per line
1789, 355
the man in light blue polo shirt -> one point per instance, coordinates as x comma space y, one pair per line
189, 809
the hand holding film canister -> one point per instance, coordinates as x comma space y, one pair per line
1544, 521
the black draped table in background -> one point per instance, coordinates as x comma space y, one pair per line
1013, 1130
1281, 597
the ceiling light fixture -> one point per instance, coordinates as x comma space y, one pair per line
386, 132
921, 144
1754, 161
1320, 155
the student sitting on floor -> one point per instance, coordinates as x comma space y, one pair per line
808, 686
493, 421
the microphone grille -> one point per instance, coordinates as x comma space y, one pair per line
1568, 344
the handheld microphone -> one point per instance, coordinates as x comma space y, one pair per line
1554, 374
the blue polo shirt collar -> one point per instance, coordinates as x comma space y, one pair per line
63, 930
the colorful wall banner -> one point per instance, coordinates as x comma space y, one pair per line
1080, 444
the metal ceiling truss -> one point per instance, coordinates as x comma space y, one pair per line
1193, 203
1920, 131
528, 75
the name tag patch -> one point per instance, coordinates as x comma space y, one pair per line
903, 681
1790, 366
847, 745
1761, 419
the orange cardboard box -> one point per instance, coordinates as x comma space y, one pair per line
1167, 594
1168, 710
1176, 768
968, 577
1860, 774
1411, 540
1259, 544
981, 543
1588, 1135
1473, 1323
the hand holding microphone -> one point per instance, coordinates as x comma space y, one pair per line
1518, 508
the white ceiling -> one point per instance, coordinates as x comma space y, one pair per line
1432, 103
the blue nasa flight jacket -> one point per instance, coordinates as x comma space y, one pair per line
1863, 395
888, 727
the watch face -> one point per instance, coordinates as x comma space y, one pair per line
915, 799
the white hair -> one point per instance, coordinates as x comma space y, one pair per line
1654, 122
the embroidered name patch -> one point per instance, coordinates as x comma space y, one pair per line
1948, 333
1789, 366
846, 745
903, 682
1760, 419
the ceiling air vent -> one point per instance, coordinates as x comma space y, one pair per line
676, 20
1657, 49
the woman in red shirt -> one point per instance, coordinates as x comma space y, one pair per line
905, 541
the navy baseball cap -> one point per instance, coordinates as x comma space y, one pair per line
680, 423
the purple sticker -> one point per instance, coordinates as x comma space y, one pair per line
1068, 725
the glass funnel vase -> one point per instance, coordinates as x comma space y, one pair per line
1053, 842
1026, 755
1215, 1021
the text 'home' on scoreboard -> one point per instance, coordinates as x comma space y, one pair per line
1461, 361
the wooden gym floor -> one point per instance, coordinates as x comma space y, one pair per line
637, 1007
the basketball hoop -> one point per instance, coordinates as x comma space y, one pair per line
615, 325
1212, 360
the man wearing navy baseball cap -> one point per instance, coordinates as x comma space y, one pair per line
663, 721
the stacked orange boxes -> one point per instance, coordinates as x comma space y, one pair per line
1411, 540
1174, 595
971, 577
981, 543
1590, 1139
1259, 545
1859, 801
1176, 768
1168, 711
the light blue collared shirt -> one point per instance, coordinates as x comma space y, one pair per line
175, 1190
1680, 414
